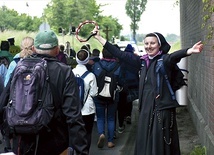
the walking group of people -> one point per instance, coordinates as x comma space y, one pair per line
7, 52
104, 110
128, 77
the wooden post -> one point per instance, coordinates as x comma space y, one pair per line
106, 32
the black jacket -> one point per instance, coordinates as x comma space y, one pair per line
157, 117
67, 128
165, 101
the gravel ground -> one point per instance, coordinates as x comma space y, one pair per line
187, 132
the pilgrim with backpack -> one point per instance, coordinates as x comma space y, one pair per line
87, 85
41, 104
5, 59
107, 72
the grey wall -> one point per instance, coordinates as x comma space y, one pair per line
201, 70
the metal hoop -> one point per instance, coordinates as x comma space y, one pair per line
81, 25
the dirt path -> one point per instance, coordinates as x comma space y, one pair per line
187, 132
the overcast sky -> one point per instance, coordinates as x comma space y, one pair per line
160, 15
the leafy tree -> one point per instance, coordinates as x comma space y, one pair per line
67, 13
36, 23
7, 18
60, 13
134, 9
110, 24
172, 38
55, 14
11, 20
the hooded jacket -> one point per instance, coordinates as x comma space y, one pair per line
108, 65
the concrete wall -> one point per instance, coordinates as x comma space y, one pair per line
201, 70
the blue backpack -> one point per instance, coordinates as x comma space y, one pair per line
178, 78
3, 71
81, 86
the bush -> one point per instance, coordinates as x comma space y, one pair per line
199, 150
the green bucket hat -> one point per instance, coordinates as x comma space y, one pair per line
46, 40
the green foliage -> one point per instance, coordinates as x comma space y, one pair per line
11, 20
69, 13
134, 9
199, 150
177, 3
172, 38
60, 13
208, 10
122, 38
205, 1
110, 23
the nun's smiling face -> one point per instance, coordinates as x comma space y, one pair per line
151, 45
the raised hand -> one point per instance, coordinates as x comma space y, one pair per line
98, 36
196, 48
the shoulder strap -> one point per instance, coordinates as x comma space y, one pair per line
85, 74
16, 60
100, 65
161, 69
115, 67
52, 87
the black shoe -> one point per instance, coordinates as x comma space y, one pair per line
128, 120
115, 135
121, 129
7, 149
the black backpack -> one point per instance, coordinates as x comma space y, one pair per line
5, 61
107, 83
30, 107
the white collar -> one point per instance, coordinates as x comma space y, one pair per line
152, 57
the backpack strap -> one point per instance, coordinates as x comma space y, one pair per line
184, 70
16, 60
161, 69
52, 87
115, 67
83, 76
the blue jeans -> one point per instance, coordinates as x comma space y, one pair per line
106, 111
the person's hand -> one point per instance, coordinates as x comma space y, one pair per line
96, 32
197, 48
98, 36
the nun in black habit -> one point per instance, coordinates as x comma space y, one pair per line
157, 128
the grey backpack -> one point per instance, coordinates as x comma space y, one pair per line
30, 107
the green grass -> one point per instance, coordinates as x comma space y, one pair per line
19, 35
175, 47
